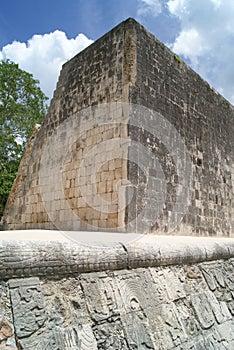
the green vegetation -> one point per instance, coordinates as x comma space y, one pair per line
22, 105
177, 58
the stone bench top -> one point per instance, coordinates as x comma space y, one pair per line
53, 254
105, 237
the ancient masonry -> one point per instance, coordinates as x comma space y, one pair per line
165, 295
134, 141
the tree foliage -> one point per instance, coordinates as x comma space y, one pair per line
22, 105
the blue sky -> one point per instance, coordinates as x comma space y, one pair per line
42, 35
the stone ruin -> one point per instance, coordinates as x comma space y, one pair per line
134, 142
154, 294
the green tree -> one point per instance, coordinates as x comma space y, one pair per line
22, 105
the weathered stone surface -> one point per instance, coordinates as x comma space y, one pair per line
67, 325
7, 336
134, 141
155, 308
27, 306
25, 258
70, 302
120, 309
191, 106
156, 157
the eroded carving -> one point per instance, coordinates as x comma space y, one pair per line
7, 336
71, 338
158, 308
27, 305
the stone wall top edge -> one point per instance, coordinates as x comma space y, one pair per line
183, 66
56, 259
128, 23
132, 24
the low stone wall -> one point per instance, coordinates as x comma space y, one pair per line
152, 293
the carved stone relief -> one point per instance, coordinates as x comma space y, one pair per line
162, 308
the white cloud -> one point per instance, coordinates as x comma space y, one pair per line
43, 56
217, 3
190, 44
149, 7
177, 7
206, 38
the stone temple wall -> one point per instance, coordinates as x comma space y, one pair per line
205, 122
134, 141
154, 294
90, 78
